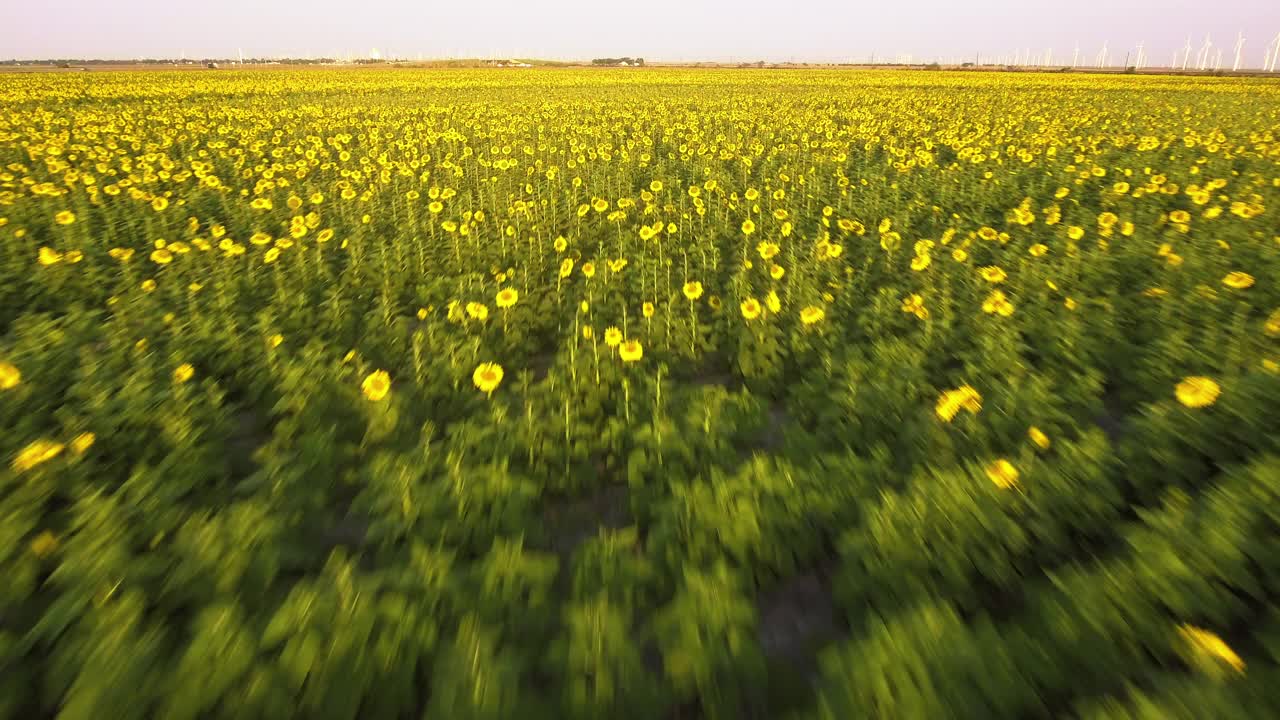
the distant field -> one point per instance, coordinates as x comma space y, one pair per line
475, 63
661, 393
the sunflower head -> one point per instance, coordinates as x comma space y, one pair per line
487, 377
1197, 391
507, 297
1003, 474
376, 385
631, 351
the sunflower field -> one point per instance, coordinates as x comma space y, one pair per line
480, 394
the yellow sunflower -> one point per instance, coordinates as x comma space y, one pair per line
376, 385
1197, 391
1003, 474
487, 377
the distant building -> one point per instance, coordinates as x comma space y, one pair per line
619, 62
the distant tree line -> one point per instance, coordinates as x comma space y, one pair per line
172, 61
618, 61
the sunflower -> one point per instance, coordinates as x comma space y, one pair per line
776, 272
376, 385
812, 314
1272, 325
693, 290
183, 373
10, 376
589, 269
1238, 280
920, 262
1075, 232
612, 336
82, 442
850, 226
487, 377
750, 308
507, 297
44, 544
951, 402
478, 311
1038, 437
1197, 391
48, 256
647, 309
1038, 250
1003, 474
768, 250
748, 227
997, 303
1208, 645
35, 453
560, 244
274, 341
772, 302
993, 274
566, 267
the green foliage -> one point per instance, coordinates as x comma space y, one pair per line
707, 638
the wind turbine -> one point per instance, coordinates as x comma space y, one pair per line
1273, 51
1186, 53
1140, 60
1235, 66
1101, 60
1217, 60
1075, 57
1202, 57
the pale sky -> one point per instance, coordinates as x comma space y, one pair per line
779, 30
